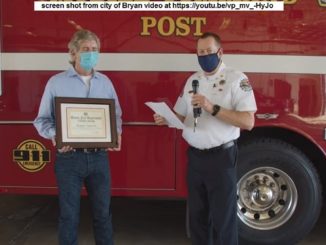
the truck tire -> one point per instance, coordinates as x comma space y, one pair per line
279, 193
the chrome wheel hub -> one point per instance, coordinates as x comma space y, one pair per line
267, 198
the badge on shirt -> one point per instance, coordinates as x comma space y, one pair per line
245, 85
222, 82
219, 85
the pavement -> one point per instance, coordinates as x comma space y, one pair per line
32, 220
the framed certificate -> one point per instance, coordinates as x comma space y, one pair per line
85, 122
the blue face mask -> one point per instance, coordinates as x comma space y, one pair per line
209, 62
88, 60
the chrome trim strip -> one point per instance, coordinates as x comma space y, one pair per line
53, 187
267, 116
16, 122
1, 63
142, 189
125, 123
0, 70
139, 124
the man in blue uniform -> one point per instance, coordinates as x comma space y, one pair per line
227, 104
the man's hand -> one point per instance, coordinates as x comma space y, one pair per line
63, 149
159, 120
199, 100
119, 145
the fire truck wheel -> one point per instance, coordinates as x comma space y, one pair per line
279, 193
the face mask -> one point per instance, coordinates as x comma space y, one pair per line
209, 62
88, 60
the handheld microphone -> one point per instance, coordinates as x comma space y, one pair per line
196, 110
195, 86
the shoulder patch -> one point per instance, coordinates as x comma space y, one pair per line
245, 85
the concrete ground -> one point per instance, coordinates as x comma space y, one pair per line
32, 220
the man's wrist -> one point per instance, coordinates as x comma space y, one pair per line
216, 109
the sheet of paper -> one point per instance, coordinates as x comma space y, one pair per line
162, 109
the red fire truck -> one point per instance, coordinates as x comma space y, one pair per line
149, 55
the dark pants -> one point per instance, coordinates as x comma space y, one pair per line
73, 169
212, 196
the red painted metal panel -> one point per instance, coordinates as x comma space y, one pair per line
147, 159
22, 92
300, 29
12, 174
153, 159
146, 162
299, 95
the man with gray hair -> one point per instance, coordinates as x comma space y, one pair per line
77, 166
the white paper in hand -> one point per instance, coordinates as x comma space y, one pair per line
163, 110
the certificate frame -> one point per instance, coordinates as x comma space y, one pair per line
85, 122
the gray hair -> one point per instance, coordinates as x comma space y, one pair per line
79, 37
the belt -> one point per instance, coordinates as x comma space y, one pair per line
215, 149
89, 150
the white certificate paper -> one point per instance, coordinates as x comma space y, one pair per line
163, 110
85, 123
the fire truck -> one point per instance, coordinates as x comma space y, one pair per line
149, 55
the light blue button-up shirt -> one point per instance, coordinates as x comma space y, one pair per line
70, 84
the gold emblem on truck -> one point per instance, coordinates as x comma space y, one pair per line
31, 155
